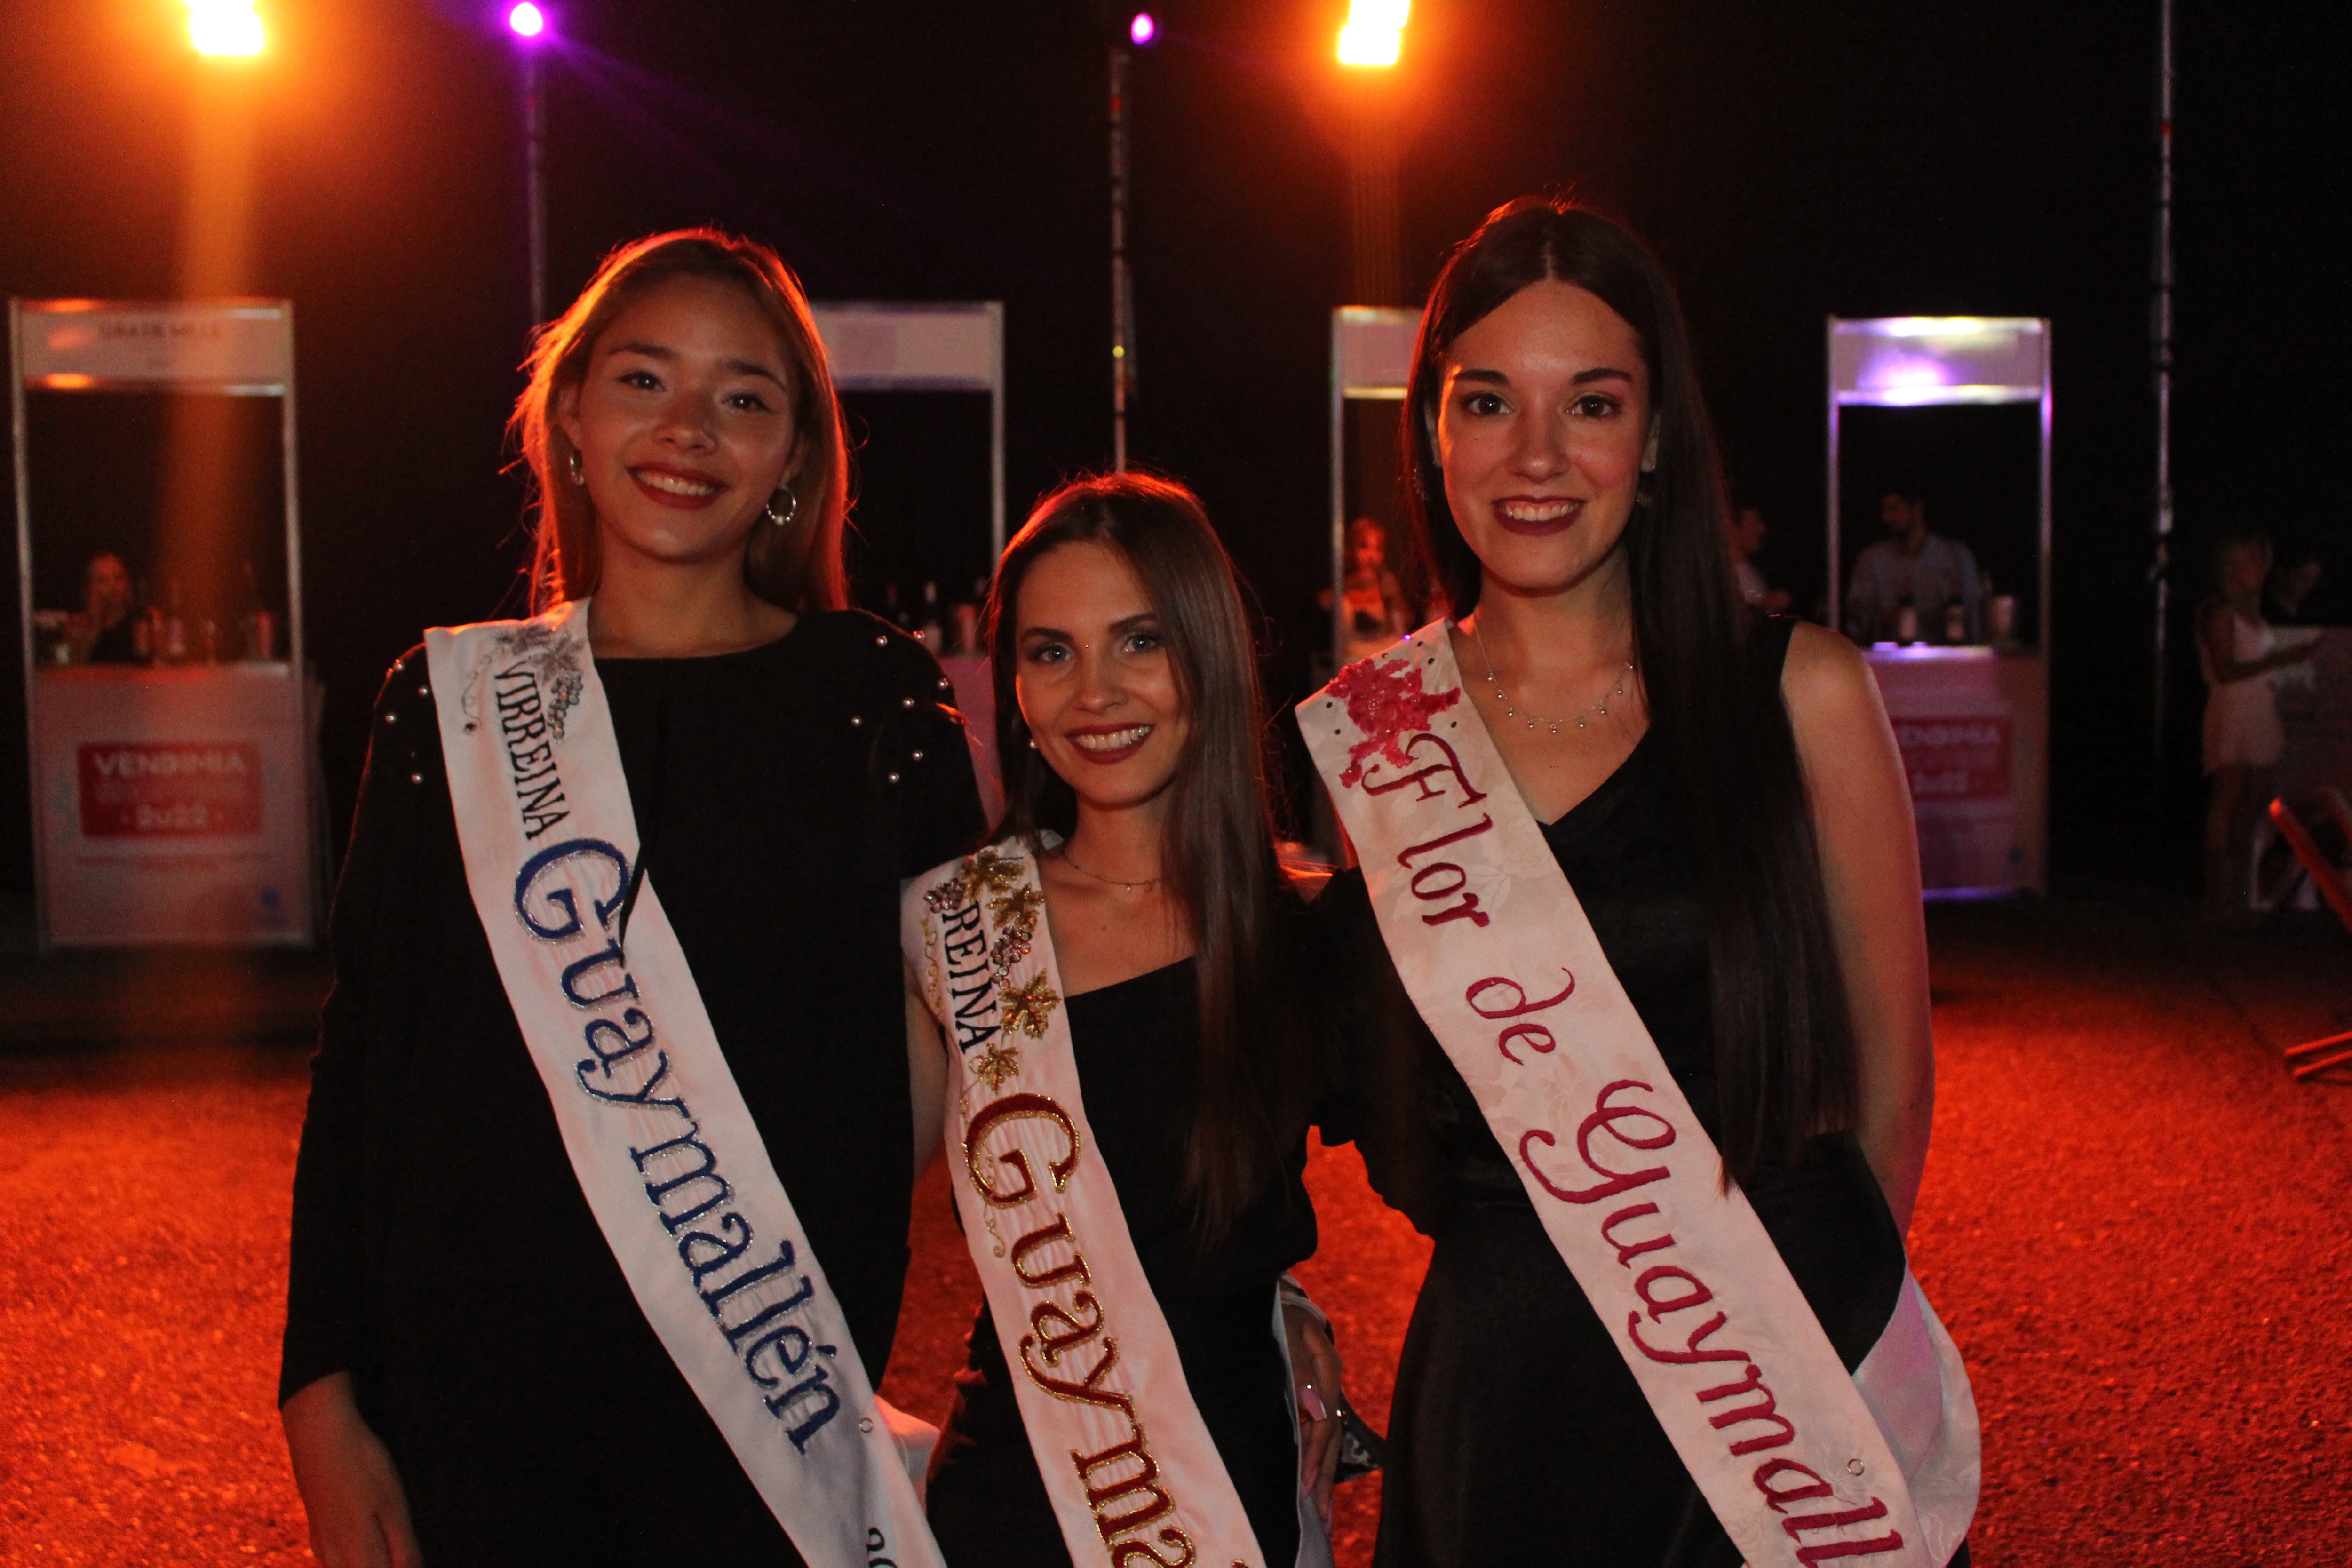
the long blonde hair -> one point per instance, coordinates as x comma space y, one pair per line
795, 567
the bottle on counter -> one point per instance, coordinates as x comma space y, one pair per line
1906, 621
258, 623
173, 646
934, 637
142, 625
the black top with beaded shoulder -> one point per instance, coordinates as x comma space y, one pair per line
781, 794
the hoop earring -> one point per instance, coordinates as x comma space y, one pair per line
572, 470
792, 509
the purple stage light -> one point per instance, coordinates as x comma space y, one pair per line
526, 20
1143, 29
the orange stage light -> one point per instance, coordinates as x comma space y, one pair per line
1374, 32
230, 28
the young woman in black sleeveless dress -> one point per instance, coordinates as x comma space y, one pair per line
1725, 797
1129, 719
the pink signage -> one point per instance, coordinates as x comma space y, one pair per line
184, 789
1962, 757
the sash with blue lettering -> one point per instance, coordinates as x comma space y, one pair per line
662, 1146
1802, 1463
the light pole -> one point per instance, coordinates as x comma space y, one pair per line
2160, 570
1142, 31
529, 24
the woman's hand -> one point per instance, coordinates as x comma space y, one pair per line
359, 1514
1314, 1369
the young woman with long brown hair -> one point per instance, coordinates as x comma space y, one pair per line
1637, 920
1119, 980
559, 1102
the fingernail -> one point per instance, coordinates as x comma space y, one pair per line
1312, 1403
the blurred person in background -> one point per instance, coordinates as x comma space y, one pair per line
105, 630
1746, 532
2237, 650
1377, 610
1914, 569
2287, 591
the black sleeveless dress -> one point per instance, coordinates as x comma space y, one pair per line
1135, 1045
1518, 1435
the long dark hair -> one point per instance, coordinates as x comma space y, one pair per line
1217, 852
797, 567
1784, 1047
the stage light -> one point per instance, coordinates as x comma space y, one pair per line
1374, 32
1143, 29
526, 20
225, 27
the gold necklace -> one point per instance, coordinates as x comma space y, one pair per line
1510, 709
1071, 861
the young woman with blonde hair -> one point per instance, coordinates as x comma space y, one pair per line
601, 1209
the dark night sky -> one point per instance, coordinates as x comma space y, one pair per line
1788, 161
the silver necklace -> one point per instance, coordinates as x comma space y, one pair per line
1108, 881
1510, 709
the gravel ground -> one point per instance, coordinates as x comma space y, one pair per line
2132, 1223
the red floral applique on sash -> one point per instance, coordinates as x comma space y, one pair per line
1385, 702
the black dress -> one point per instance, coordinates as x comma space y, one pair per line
1484, 1465
1135, 1045
442, 1251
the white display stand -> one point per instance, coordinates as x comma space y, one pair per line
1371, 360
1973, 721
170, 806
925, 348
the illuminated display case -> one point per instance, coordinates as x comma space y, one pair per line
174, 797
1952, 413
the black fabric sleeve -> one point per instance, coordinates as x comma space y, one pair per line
936, 800
326, 1288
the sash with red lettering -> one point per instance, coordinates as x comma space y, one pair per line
1134, 1477
662, 1146
1802, 1462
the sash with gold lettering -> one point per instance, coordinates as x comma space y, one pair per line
662, 1146
1801, 1462
1134, 1475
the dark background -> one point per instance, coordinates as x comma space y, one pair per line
1789, 161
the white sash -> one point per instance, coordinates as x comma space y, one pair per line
1134, 1475
1802, 1463
664, 1148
